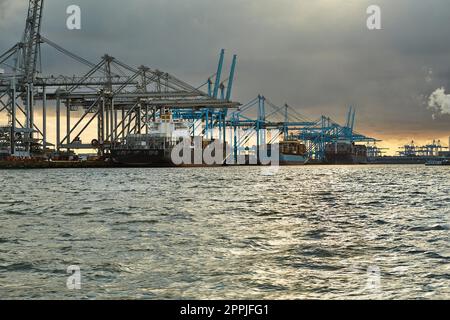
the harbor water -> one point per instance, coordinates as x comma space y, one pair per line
308, 232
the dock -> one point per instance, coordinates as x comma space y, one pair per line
114, 100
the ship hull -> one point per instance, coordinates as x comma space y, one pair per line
142, 158
345, 159
292, 160
150, 158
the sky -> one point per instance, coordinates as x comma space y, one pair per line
316, 55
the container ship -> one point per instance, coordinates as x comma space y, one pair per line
153, 148
293, 153
345, 153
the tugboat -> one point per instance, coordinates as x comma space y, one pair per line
440, 162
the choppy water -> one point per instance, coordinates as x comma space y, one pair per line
305, 232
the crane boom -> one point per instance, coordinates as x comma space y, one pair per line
31, 40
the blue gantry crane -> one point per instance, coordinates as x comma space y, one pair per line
248, 126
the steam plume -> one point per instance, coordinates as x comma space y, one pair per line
439, 102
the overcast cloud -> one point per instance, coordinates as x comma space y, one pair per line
316, 55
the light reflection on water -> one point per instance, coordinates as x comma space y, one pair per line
306, 232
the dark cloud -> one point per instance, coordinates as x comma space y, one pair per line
3, 7
316, 55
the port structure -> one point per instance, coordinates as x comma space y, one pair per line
433, 149
112, 98
374, 151
260, 121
